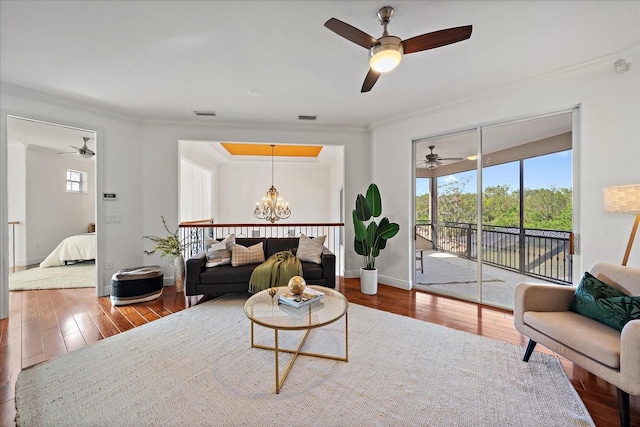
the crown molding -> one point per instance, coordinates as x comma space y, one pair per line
232, 125
61, 101
629, 53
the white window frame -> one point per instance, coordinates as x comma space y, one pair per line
80, 183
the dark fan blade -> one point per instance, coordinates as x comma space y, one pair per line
350, 33
450, 158
436, 39
369, 81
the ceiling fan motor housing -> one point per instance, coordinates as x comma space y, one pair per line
385, 55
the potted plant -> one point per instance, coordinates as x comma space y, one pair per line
370, 237
172, 247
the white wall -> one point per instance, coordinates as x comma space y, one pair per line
52, 213
608, 153
304, 186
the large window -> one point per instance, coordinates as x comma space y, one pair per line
195, 192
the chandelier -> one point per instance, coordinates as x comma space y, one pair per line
272, 208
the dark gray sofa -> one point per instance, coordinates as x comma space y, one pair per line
224, 279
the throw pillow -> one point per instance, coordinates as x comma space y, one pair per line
310, 249
220, 252
604, 303
241, 255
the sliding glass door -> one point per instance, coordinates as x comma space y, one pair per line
501, 194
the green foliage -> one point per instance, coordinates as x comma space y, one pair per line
548, 208
167, 246
544, 208
370, 237
422, 207
454, 205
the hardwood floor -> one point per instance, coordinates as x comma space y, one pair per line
45, 324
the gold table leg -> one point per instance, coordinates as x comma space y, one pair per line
277, 350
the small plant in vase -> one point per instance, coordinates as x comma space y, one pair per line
370, 237
172, 247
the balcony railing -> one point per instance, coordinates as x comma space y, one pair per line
193, 234
546, 254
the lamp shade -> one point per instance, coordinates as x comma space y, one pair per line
622, 199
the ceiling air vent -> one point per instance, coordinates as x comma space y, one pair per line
204, 113
312, 118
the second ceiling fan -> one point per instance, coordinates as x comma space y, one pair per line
386, 52
433, 160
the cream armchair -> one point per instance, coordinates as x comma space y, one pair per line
541, 312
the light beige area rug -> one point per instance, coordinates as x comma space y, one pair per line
196, 368
80, 275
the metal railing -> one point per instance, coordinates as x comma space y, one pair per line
546, 254
194, 234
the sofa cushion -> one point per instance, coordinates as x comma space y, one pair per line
604, 303
603, 344
281, 244
227, 274
310, 249
241, 255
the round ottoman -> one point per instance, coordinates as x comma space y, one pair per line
139, 284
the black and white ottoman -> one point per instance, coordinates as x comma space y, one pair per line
139, 284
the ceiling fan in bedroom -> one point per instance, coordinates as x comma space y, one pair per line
433, 160
385, 53
83, 151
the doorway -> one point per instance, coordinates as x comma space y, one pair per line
52, 205
512, 181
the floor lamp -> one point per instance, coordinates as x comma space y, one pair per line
624, 199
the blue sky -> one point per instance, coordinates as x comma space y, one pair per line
539, 172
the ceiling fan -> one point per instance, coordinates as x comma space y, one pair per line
83, 151
433, 160
386, 52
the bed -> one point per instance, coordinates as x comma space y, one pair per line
81, 247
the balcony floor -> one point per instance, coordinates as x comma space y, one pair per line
451, 275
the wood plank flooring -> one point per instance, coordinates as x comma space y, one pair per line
45, 324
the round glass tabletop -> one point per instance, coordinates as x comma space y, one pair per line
266, 311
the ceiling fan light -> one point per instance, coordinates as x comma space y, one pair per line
387, 55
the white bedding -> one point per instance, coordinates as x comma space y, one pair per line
75, 248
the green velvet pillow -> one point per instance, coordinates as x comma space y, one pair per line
604, 303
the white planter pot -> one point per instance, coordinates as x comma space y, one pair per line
368, 281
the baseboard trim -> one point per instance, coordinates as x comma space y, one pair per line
385, 280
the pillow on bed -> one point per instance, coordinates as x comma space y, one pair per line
310, 250
241, 255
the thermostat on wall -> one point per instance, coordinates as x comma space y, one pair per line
109, 196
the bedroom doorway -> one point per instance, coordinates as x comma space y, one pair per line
51, 177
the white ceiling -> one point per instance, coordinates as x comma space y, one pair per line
160, 60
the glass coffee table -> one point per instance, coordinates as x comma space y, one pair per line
264, 310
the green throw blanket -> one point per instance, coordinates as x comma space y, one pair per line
275, 271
